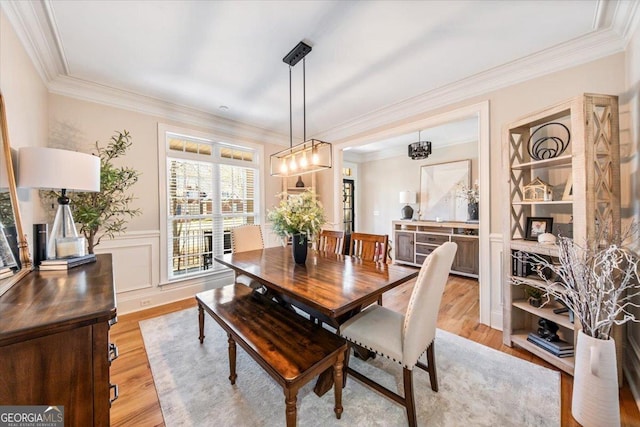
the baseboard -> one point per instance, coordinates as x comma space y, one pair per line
167, 294
632, 368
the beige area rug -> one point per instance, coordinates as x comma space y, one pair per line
479, 386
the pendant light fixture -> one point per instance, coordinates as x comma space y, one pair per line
419, 150
311, 155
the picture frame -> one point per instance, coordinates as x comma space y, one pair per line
568, 188
439, 187
537, 225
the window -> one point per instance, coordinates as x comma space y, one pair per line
210, 187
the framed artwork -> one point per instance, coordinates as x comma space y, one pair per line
537, 225
568, 188
439, 185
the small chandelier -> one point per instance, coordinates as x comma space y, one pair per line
419, 150
311, 155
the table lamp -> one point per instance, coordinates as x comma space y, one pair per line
407, 197
55, 169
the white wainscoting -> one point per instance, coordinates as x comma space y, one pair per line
136, 268
496, 243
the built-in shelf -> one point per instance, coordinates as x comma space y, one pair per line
536, 164
519, 338
546, 312
549, 202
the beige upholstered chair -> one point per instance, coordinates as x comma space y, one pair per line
403, 338
246, 238
331, 241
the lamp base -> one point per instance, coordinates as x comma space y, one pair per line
63, 228
407, 212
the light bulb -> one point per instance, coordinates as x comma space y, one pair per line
283, 166
293, 165
315, 159
303, 161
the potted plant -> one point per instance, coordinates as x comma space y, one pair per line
534, 295
299, 216
600, 283
472, 196
105, 213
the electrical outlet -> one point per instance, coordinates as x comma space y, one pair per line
145, 302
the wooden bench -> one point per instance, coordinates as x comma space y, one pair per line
289, 347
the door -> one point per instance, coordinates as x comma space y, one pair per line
348, 199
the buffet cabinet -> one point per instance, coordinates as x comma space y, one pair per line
415, 240
54, 342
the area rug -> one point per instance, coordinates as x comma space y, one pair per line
479, 386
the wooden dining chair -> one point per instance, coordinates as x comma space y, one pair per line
369, 247
246, 238
331, 241
404, 338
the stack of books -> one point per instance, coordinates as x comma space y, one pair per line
66, 263
558, 348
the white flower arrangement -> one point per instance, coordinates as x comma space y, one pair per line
470, 194
600, 283
297, 214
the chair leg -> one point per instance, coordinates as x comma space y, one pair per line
201, 322
408, 397
431, 361
380, 300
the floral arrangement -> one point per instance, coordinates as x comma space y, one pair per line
470, 194
600, 283
297, 214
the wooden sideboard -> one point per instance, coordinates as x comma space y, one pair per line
415, 240
54, 342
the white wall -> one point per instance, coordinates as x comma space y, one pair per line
380, 182
25, 98
630, 156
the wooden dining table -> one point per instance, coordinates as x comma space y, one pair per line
329, 287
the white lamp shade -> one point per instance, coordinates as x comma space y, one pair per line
407, 197
52, 168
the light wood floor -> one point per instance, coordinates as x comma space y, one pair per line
138, 403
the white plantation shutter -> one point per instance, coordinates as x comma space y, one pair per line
211, 187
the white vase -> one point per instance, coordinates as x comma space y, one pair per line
595, 383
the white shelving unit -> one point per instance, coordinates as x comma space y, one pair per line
591, 164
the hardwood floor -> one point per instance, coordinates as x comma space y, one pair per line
459, 312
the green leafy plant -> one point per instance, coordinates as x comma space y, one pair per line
106, 212
297, 214
532, 292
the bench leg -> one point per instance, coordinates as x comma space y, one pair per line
232, 360
337, 385
201, 321
291, 398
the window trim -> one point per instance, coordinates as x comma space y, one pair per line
217, 142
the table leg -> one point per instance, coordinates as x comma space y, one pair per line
232, 360
324, 382
291, 397
201, 322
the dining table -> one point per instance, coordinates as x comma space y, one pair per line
328, 287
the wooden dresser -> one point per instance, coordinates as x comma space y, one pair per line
415, 240
54, 342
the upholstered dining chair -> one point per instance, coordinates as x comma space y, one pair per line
404, 338
331, 241
246, 238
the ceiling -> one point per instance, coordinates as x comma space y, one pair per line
368, 58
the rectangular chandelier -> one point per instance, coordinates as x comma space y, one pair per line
310, 156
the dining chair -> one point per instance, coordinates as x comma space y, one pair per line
369, 247
331, 241
246, 238
404, 338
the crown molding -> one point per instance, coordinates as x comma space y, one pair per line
31, 22
614, 24
585, 49
128, 100
396, 151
